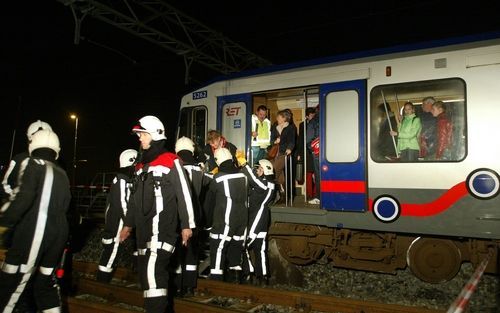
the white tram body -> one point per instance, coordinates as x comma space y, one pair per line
376, 212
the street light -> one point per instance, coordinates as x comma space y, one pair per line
74, 117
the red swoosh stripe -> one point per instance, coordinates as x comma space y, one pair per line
435, 207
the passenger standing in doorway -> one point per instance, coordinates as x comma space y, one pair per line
428, 134
116, 210
35, 219
408, 132
161, 199
284, 134
313, 146
261, 134
308, 159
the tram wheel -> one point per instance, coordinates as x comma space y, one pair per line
297, 250
434, 260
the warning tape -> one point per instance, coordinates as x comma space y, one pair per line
461, 302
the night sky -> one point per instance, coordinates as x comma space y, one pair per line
112, 78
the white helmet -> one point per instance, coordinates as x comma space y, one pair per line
127, 157
184, 143
36, 126
267, 166
45, 139
152, 125
221, 155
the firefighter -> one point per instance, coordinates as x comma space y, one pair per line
161, 195
188, 257
35, 217
227, 196
9, 181
116, 209
261, 194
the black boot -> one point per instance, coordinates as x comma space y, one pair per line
188, 292
247, 279
103, 277
261, 281
233, 276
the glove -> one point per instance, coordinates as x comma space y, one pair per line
214, 171
5, 237
240, 156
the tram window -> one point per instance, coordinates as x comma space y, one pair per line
199, 126
184, 122
342, 136
193, 124
442, 136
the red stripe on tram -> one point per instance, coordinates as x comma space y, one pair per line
346, 186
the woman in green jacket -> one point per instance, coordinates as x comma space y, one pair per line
408, 132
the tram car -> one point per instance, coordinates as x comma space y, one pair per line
378, 212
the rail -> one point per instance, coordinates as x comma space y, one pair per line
251, 296
132, 296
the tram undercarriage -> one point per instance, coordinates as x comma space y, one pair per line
431, 259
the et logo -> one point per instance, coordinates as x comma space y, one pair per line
233, 111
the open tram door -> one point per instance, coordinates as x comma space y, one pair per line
233, 117
342, 158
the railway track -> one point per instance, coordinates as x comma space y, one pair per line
244, 298
212, 296
118, 299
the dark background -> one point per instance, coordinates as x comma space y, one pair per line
112, 78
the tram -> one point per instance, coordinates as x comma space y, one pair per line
376, 212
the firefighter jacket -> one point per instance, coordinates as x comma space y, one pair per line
36, 211
199, 182
261, 194
227, 197
117, 202
161, 196
10, 179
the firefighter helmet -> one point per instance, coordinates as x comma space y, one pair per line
221, 155
127, 157
36, 126
45, 139
267, 166
152, 125
184, 143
